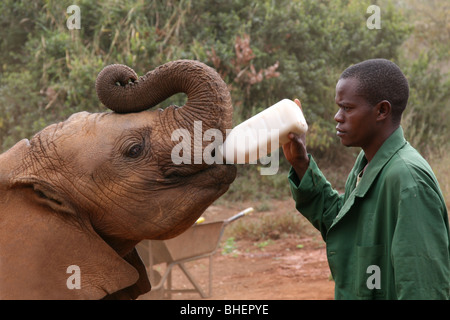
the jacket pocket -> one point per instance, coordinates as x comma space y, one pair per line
370, 271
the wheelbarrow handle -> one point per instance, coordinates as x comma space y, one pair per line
239, 215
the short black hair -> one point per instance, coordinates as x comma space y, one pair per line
381, 79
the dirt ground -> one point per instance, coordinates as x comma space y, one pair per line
293, 267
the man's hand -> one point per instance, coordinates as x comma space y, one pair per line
295, 151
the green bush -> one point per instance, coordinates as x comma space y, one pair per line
428, 106
297, 50
265, 50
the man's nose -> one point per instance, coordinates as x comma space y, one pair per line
338, 117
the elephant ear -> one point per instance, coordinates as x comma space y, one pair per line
48, 255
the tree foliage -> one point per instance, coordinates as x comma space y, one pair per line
265, 50
426, 61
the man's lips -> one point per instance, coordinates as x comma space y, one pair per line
340, 132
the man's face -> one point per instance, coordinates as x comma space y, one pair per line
356, 118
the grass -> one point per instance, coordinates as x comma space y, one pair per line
267, 226
229, 246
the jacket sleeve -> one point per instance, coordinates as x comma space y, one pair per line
315, 198
420, 246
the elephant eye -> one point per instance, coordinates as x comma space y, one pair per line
135, 151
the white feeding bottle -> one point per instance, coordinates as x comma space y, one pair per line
263, 133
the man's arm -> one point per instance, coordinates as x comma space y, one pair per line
420, 246
313, 194
315, 198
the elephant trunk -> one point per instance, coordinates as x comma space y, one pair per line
208, 98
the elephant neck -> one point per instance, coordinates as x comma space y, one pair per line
121, 246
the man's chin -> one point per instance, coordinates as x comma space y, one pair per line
346, 143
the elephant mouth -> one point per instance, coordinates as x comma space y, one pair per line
191, 195
220, 174
215, 175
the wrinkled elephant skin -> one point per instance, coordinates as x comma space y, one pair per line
85, 191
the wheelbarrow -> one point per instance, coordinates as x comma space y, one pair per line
199, 241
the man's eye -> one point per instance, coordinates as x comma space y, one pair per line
135, 151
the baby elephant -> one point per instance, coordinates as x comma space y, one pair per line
78, 197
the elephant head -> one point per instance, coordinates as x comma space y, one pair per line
85, 191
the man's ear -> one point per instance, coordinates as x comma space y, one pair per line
384, 110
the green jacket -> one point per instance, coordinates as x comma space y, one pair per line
387, 236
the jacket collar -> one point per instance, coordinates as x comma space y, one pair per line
392, 144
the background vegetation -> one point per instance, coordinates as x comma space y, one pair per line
265, 50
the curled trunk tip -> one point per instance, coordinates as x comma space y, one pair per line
208, 98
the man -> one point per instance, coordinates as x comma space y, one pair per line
387, 236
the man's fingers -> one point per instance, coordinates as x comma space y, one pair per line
295, 137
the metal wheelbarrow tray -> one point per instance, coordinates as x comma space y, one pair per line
199, 241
